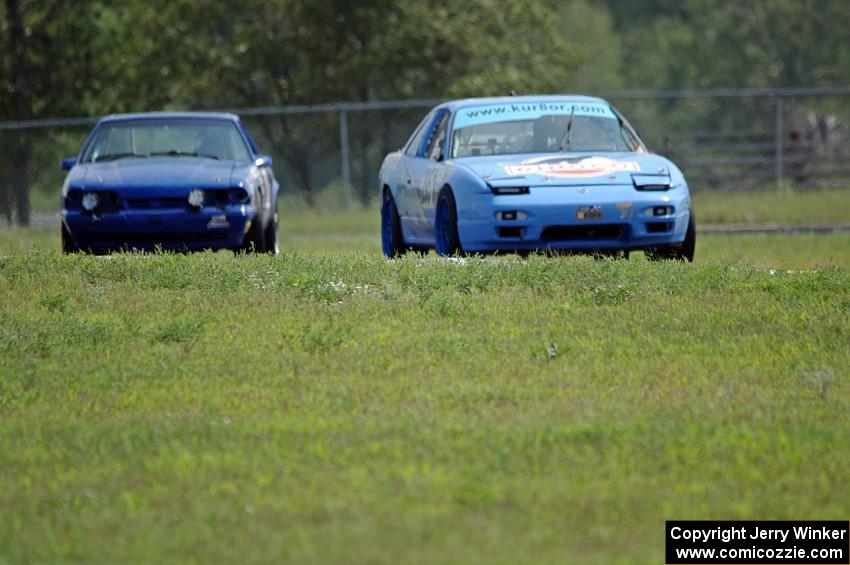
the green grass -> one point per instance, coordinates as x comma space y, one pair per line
328, 405
790, 207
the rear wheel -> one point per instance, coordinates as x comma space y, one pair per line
392, 242
68, 245
683, 252
445, 225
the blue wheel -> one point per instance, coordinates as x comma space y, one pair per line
392, 242
445, 225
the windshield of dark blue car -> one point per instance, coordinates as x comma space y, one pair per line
209, 139
547, 133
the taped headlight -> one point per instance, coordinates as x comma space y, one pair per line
90, 201
196, 198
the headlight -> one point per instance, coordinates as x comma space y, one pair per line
196, 198
90, 201
239, 195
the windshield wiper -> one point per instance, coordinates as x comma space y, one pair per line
626, 135
177, 153
114, 156
568, 134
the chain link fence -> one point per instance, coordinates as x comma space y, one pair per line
329, 155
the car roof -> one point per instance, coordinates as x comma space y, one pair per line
221, 116
467, 102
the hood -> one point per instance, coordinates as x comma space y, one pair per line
171, 172
565, 169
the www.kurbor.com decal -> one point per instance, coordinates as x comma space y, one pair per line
494, 113
577, 168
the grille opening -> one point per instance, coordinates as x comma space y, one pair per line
513, 232
658, 227
597, 232
156, 203
219, 197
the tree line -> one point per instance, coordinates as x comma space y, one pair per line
63, 58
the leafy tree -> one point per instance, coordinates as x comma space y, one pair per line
92, 57
334, 50
590, 28
718, 43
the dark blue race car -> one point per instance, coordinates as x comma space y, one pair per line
171, 181
524, 174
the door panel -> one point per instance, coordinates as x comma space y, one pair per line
405, 197
421, 172
415, 176
430, 184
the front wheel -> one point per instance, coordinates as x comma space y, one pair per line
255, 239
445, 225
68, 245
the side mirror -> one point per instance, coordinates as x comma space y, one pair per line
68, 164
263, 161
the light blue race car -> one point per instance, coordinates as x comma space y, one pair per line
526, 174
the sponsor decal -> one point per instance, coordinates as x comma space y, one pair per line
626, 210
573, 168
493, 113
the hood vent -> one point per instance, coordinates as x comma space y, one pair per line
652, 182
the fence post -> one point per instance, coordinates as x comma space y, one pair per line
779, 127
343, 143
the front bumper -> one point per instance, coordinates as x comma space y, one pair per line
147, 230
574, 218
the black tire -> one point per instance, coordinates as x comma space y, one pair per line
392, 240
682, 252
446, 239
255, 239
689, 246
68, 245
272, 238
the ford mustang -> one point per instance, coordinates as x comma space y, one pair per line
173, 181
525, 174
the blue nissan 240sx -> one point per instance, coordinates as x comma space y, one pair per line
173, 181
525, 174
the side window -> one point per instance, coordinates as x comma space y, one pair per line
437, 141
416, 141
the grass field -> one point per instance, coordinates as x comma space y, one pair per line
789, 207
327, 405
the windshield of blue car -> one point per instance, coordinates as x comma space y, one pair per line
509, 129
176, 138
